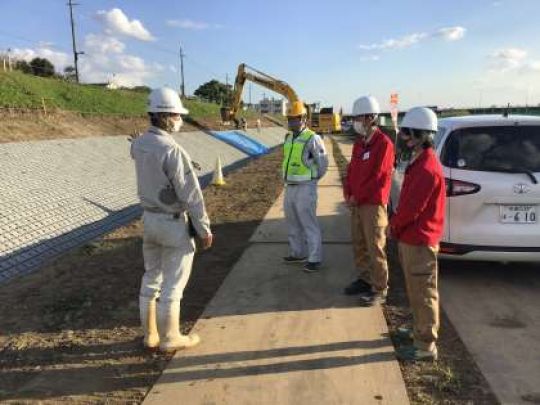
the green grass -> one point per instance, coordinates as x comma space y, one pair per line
26, 91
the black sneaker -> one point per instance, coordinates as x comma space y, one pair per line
357, 287
312, 267
371, 299
292, 259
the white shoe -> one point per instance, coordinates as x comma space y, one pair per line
171, 340
147, 310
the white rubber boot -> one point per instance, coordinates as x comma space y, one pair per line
171, 339
147, 309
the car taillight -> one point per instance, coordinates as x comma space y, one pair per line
459, 187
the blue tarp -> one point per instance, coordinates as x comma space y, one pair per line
241, 141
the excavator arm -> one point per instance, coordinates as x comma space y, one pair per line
260, 78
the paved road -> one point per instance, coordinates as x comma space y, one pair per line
496, 311
60, 194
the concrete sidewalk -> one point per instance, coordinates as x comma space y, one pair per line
276, 335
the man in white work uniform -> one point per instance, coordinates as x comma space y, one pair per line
171, 197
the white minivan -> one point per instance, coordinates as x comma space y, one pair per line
492, 168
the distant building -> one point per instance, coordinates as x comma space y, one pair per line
112, 84
272, 106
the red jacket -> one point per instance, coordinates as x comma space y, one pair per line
419, 219
369, 174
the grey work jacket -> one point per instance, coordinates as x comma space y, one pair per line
166, 181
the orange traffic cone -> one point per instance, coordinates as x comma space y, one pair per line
217, 180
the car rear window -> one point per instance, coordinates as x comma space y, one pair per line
493, 148
438, 136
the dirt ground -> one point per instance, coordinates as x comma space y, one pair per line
35, 126
70, 332
454, 378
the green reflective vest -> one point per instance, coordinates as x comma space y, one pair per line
294, 169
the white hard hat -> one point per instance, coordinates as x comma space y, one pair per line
420, 118
366, 105
165, 100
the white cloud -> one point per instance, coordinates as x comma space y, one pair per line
397, 43
192, 25
370, 58
506, 59
128, 70
533, 66
116, 22
516, 54
448, 33
105, 57
95, 43
59, 59
451, 33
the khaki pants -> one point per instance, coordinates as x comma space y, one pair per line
419, 264
368, 226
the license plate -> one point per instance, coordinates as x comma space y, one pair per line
518, 214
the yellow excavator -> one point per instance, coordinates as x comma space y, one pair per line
323, 121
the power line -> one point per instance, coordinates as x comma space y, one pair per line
150, 47
34, 42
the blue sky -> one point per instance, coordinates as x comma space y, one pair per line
458, 53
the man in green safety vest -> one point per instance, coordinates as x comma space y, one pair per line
305, 162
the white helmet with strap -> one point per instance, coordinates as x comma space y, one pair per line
366, 105
165, 100
420, 118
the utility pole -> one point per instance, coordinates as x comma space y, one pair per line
227, 79
9, 59
182, 85
75, 53
250, 95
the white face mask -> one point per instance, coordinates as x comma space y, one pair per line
359, 128
177, 124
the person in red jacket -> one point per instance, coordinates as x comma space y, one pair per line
418, 227
367, 191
